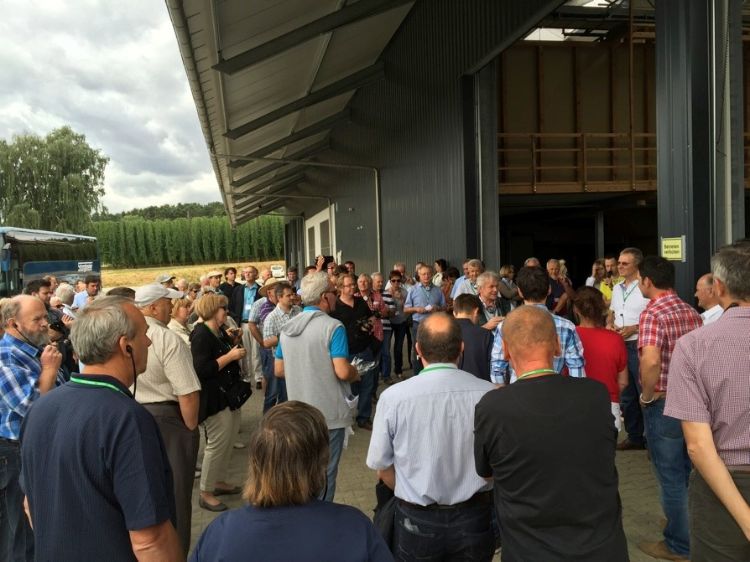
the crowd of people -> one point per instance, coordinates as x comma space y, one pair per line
504, 434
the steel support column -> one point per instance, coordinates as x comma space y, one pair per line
699, 120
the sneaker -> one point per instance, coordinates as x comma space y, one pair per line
661, 551
628, 445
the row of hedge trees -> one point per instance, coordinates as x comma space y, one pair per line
136, 242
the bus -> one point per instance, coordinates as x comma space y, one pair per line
27, 254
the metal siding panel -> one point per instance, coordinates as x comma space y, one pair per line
410, 126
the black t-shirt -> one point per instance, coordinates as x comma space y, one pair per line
549, 442
477, 349
354, 319
93, 468
304, 533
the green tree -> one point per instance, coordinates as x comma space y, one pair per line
59, 176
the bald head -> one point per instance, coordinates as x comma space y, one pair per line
529, 334
25, 318
704, 292
439, 339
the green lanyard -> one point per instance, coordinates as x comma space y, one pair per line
96, 383
436, 368
536, 372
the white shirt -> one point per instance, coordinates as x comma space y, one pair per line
627, 304
712, 314
424, 427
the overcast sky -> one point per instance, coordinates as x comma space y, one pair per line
112, 71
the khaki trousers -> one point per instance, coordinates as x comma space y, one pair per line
221, 432
251, 364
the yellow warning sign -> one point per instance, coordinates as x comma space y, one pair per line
673, 249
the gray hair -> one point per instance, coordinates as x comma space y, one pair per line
377, 274
9, 309
485, 277
476, 263
65, 292
361, 275
731, 265
99, 327
313, 286
635, 252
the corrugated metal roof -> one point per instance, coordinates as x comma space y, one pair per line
271, 78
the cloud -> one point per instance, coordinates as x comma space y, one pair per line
112, 71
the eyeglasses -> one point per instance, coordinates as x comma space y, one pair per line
395, 280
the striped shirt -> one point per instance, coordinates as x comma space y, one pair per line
665, 320
276, 320
424, 428
570, 342
19, 383
708, 383
390, 304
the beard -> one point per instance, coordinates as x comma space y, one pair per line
40, 339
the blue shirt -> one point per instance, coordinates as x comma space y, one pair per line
309, 532
94, 467
80, 300
419, 296
337, 348
250, 292
19, 378
571, 345
457, 286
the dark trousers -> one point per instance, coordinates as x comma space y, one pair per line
16, 538
416, 362
450, 535
629, 398
400, 331
714, 534
181, 445
275, 387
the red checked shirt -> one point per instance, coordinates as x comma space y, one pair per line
665, 320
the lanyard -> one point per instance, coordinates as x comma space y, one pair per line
627, 294
427, 292
96, 383
536, 372
436, 368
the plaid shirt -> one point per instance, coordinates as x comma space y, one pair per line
665, 320
275, 321
19, 377
571, 345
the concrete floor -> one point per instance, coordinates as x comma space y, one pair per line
355, 485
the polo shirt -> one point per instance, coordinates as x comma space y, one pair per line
627, 304
93, 468
420, 296
423, 428
309, 532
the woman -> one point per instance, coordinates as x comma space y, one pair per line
356, 316
440, 268
216, 360
179, 321
603, 350
374, 300
450, 277
399, 323
283, 519
509, 298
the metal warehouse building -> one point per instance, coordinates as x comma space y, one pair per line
387, 130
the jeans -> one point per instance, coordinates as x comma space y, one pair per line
714, 534
336, 446
275, 387
415, 361
463, 533
16, 538
629, 398
400, 331
385, 355
364, 387
672, 466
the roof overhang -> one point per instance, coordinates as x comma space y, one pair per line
271, 79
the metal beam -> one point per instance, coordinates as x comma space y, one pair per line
249, 216
346, 15
241, 205
346, 84
249, 190
310, 130
300, 154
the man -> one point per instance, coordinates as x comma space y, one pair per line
557, 300
532, 262
285, 310
487, 288
292, 275
708, 391
707, 299
26, 373
95, 472
265, 275
91, 284
42, 289
54, 283
556, 497
213, 280
258, 314
350, 267
181, 285
421, 447
460, 281
312, 356
423, 299
666, 319
170, 390
240, 305
166, 280
623, 317
477, 341
533, 287
469, 285
229, 285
